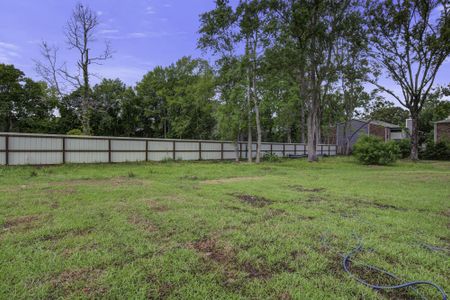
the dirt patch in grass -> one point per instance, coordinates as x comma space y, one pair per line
271, 213
68, 279
300, 188
211, 250
255, 201
23, 221
156, 206
314, 199
230, 180
226, 257
383, 206
142, 223
161, 290
445, 213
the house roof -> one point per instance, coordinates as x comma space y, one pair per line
384, 124
376, 122
444, 121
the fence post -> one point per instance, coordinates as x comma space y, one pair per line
64, 150
109, 150
284, 149
271, 149
295, 149
240, 150
221, 151
329, 150
199, 150
7, 150
146, 150
173, 151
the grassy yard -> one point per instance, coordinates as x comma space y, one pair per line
199, 230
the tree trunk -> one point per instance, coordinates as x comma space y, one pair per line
85, 101
302, 123
313, 119
312, 136
255, 101
414, 137
258, 132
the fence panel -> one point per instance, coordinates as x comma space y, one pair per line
41, 149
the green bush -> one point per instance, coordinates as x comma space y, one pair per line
271, 157
438, 151
75, 132
405, 147
370, 150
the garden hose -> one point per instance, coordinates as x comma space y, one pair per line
347, 259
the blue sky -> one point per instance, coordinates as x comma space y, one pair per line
143, 34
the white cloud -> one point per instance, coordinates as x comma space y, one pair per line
149, 10
8, 52
167, 5
8, 46
108, 31
99, 13
137, 35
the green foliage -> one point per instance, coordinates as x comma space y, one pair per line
437, 151
370, 150
404, 147
271, 157
386, 111
75, 131
178, 101
25, 105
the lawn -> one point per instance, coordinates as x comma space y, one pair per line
198, 230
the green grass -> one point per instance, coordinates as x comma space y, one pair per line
199, 230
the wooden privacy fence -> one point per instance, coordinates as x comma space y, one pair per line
44, 149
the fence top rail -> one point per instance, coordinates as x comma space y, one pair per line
43, 135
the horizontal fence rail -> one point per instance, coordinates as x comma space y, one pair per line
49, 149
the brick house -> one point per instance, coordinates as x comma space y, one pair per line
350, 132
442, 130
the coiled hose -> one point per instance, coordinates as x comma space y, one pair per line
347, 259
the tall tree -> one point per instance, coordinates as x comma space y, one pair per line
224, 30
314, 29
410, 41
80, 32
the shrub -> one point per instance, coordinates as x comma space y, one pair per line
370, 150
405, 147
271, 157
438, 151
75, 131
